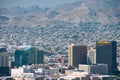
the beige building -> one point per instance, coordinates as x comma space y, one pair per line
77, 75
20, 78
77, 54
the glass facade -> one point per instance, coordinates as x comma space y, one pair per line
28, 57
2, 60
77, 54
106, 54
4, 64
91, 57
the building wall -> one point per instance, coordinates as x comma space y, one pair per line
4, 59
91, 56
85, 68
29, 78
100, 68
85, 78
94, 69
106, 54
20, 57
4, 64
70, 56
68, 72
27, 57
40, 57
77, 54
17, 72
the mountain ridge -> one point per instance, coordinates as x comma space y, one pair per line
106, 12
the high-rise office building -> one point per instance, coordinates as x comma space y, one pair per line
91, 56
28, 55
4, 64
106, 54
77, 54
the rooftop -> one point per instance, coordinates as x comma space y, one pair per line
24, 47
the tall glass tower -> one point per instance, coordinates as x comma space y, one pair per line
28, 56
106, 54
77, 54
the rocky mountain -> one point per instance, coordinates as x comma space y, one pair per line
17, 10
105, 11
67, 7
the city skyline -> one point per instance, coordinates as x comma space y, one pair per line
59, 40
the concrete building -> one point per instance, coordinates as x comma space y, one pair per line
91, 56
27, 78
106, 54
78, 75
5, 65
77, 54
26, 73
33, 72
103, 77
94, 69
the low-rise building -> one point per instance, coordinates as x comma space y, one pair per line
33, 71
94, 69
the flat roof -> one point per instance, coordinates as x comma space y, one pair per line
24, 47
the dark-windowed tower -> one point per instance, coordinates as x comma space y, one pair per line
106, 54
77, 54
5, 63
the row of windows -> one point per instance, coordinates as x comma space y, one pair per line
4, 61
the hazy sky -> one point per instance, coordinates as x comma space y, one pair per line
26, 3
